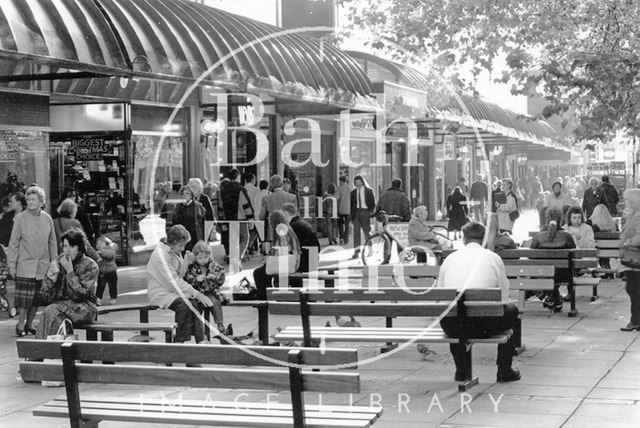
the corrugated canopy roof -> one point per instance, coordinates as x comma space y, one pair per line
178, 40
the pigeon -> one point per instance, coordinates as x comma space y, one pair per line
424, 350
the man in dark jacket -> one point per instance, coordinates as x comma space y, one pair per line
363, 204
395, 202
232, 200
611, 197
307, 237
592, 197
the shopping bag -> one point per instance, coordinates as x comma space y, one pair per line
244, 290
286, 263
65, 332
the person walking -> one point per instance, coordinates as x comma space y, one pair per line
344, 208
330, 214
478, 194
456, 211
504, 210
81, 213
611, 197
631, 235
197, 189
190, 214
395, 202
32, 248
363, 204
592, 197
12, 205
234, 205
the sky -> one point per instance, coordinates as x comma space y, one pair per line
267, 11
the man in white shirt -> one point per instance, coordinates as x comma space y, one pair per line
477, 267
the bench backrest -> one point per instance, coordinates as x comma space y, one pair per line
419, 270
388, 302
560, 259
234, 375
608, 244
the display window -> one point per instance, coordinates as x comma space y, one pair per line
23, 160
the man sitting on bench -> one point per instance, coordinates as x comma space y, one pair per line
477, 267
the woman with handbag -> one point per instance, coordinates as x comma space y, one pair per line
630, 254
69, 287
285, 254
508, 210
31, 248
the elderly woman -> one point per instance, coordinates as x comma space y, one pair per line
631, 234
31, 248
195, 184
191, 215
74, 277
167, 288
283, 237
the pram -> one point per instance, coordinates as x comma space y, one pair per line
4, 277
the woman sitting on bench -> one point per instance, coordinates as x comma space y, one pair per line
73, 276
554, 239
167, 288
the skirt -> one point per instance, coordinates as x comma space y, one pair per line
26, 292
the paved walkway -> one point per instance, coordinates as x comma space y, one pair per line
576, 372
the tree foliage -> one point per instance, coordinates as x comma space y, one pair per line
580, 55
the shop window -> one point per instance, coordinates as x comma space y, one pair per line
23, 160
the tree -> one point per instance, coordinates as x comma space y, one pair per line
580, 55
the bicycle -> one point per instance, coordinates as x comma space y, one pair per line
377, 249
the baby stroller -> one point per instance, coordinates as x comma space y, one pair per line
4, 276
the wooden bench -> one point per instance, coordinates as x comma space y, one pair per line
142, 308
386, 302
253, 367
573, 260
608, 245
106, 330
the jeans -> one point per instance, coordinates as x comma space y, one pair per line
633, 290
343, 227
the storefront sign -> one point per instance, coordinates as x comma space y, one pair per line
89, 149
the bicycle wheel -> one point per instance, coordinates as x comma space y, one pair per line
376, 250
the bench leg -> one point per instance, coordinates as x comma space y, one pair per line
389, 346
263, 323
144, 318
207, 316
594, 295
168, 336
107, 336
517, 336
467, 368
573, 312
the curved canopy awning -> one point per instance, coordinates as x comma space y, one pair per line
179, 40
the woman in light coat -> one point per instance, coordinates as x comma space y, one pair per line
504, 209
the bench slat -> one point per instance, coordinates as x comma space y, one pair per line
183, 353
534, 270
129, 326
239, 378
208, 408
488, 309
381, 334
106, 309
556, 263
401, 270
178, 418
531, 284
420, 294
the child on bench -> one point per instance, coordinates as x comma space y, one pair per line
207, 276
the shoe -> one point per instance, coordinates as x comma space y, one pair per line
508, 376
459, 377
630, 327
566, 297
113, 302
98, 302
20, 332
557, 307
29, 330
229, 330
355, 256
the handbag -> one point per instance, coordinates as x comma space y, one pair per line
286, 263
65, 332
514, 215
244, 290
630, 255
